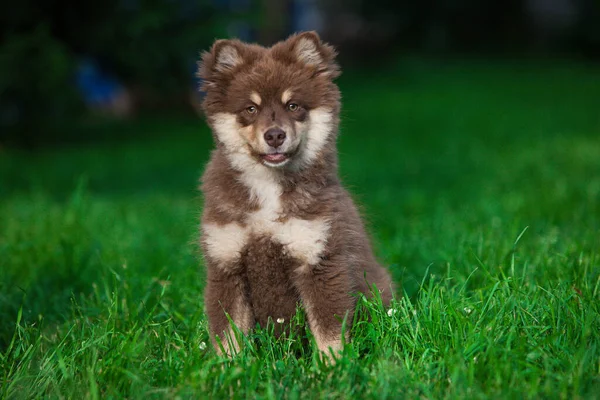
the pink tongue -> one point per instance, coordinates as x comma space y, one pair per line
275, 157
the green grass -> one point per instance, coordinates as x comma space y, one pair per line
480, 184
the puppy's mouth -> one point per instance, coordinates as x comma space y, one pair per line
275, 159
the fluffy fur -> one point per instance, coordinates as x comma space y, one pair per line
278, 228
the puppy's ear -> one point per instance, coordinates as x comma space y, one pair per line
223, 58
308, 49
227, 55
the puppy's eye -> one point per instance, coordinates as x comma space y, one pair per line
251, 110
293, 107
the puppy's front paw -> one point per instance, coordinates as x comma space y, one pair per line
330, 350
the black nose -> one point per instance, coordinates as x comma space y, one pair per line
274, 137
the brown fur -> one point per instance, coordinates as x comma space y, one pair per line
264, 255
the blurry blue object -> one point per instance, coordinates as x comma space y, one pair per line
306, 16
97, 87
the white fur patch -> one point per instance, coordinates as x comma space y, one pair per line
264, 189
255, 97
304, 240
228, 131
225, 243
228, 58
319, 128
286, 96
307, 52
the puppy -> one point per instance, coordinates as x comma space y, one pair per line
278, 228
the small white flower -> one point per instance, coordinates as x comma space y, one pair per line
467, 310
391, 312
280, 320
202, 346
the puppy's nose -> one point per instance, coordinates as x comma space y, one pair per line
274, 137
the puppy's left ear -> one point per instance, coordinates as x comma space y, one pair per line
308, 49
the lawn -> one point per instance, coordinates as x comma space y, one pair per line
480, 184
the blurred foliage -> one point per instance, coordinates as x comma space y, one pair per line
155, 43
35, 73
151, 46
453, 24
383, 27
148, 42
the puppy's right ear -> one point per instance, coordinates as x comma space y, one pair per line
223, 58
227, 55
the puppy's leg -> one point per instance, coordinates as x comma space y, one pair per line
226, 294
325, 291
226, 290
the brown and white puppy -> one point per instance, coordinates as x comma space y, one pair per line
278, 228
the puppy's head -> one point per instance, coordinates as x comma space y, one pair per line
275, 106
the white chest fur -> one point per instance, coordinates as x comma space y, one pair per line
302, 239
